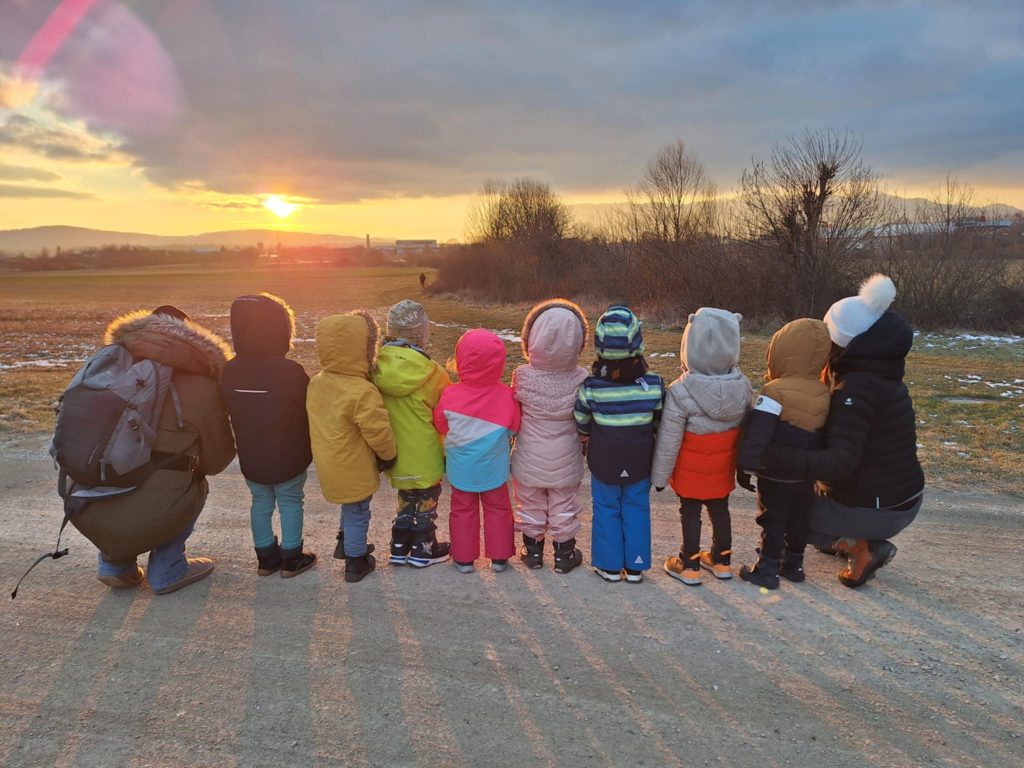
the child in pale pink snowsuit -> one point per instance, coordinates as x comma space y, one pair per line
478, 416
547, 461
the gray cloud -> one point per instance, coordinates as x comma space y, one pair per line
346, 101
54, 142
24, 191
21, 173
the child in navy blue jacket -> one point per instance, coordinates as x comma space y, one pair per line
265, 393
617, 413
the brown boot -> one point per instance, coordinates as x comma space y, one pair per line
124, 580
864, 559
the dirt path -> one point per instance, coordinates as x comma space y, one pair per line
523, 668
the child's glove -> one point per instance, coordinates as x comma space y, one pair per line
385, 464
744, 481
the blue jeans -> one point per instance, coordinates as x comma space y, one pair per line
288, 497
167, 563
622, 526
355, 523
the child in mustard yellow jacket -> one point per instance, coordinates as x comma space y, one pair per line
349, 429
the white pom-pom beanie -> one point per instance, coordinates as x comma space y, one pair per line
850, 317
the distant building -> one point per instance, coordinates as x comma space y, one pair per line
406, 247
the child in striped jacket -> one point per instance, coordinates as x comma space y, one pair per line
617, 412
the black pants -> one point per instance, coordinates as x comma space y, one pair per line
783, 512
830, 520
721, 527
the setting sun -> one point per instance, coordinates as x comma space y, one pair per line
280, 207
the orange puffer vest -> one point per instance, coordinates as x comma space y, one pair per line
706, 467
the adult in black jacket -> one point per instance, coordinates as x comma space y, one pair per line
265, 394
869, 479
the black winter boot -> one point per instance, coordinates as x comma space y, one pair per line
764, 573
401, 544
358, 568
427, 550
567, 556
532, 552
268, 559
792, 566
295, 561
339, 548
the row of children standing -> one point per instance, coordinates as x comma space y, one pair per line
389, 407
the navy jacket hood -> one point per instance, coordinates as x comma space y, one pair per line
262, 325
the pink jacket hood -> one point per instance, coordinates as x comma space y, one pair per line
554, 334
480, 358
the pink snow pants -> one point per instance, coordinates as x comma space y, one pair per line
554, 511
464, 524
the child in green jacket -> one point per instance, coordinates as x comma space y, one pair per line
411, 384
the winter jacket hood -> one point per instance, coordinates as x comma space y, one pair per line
799, 349
882, 349
262, 325
181, 344
554, 334
480, 358
711, 342
347, 344
402, 369
723, 398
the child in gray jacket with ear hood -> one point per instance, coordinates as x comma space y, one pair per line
697, 442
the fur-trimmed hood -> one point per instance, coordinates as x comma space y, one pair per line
553, 342
181, 344
347, 344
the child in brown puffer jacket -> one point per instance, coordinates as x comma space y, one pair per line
791, 410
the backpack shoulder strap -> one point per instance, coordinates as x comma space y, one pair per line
56, 554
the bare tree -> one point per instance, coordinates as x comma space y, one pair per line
944, 258
674, 205
522, 211
811, 208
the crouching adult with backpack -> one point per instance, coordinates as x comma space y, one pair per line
192, 439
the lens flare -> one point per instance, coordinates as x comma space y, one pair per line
278, 206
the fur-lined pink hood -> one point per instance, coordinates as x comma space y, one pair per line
181, 344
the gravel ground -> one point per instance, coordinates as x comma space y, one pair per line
429, 668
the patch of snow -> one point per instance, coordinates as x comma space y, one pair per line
507, 335
41, 363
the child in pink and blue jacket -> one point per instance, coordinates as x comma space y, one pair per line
478, 416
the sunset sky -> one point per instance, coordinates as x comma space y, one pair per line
183, 116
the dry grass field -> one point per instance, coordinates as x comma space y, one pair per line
969, 391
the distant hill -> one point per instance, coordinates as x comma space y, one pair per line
35, 239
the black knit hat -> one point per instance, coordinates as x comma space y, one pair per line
169, 310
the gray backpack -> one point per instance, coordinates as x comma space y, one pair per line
107, 421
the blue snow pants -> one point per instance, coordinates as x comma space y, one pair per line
622, 526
